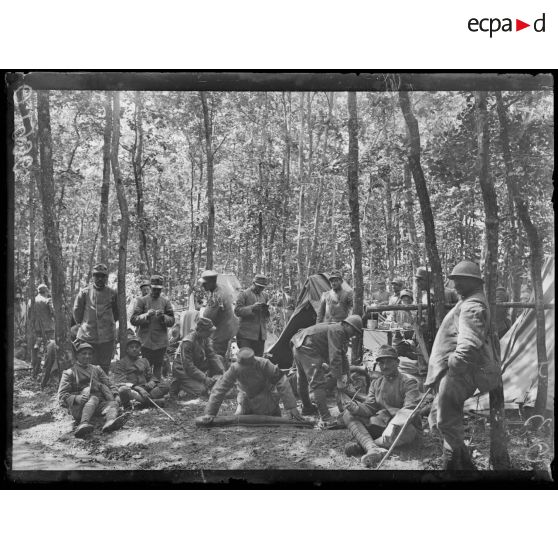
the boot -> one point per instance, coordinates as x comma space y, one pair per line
113, 421
124, 397
352, 449
85, 427
311, 410
373, 453
320, 401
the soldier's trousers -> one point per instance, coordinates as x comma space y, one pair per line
265, 403
384, 429
309, 365
139, 393
94, 406
155, 358
257, 345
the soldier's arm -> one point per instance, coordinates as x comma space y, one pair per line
338, 361
369, 407
321, 310
168, 316
105, 381
470, 338
139, 314
349, 301
219, 390
190, 369
118, 373
65, 396
79, 307
242, 308
412, 393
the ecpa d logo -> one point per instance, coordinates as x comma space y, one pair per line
492, 25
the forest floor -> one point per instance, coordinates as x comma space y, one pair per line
43, 440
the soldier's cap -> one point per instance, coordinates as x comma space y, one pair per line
260, 280
355, 321
397, 281
406, 292
41, 287
156, 282
421, 273
205, 324
145, 283
100, 269
466, 269
132, 339
83, 346
386, 351
245, 356
208, 275
335, 275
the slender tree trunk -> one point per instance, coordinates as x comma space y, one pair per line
124, 224
498, 440
409, 203
354, 207
208, 128
299, 243
50, 223
424, 200
536, 259
105, 188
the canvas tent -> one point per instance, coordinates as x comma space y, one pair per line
304, 315
519, 354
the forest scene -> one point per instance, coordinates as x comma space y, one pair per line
286, 184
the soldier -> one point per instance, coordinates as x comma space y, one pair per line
196, 362
253, 311
96, 313
319, 344
261, 385
145, 287
337, 303
403, 342
86, 390
133, 377
219, 309
397, 286
465, 356
376, 421
43, 324
152, 315
424, 284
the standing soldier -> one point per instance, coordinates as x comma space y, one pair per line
219, 309
43, 324
395, 298
145, 287
319, 344
96, 313
465, 356
335, 304
86, 390
152, 315
253, 311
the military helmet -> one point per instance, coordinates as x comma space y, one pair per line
466, 269
335, 274
145, 283
386, 351
205, 324
397, 281
100, 269
354, 320
83, 346
132, 339
156, 282
41, 287
421, 273
208, 275
260, 280
406, 292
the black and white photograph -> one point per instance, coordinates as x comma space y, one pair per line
287, 277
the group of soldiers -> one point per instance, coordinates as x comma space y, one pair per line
464, 357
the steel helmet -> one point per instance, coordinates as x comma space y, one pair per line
354, 320
421, 273
466, 269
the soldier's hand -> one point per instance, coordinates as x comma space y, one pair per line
294, 414
342, 383
150, 313
207, 419
151, 385
159, 313
352, 407
86, 393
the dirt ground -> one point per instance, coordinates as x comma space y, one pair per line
43, 440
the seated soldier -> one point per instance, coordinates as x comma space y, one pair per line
86, 390
403, 342
376, 421
134, 378
196, 362
261, 385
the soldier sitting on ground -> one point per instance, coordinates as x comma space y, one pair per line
196, 362
261, 385
375, 422
85, 390
134, 379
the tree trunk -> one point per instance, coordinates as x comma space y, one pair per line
536, 258
498, 440
409, 203
50, 223
425, 207
299, 254
354, 208
208, 128
124, 224
105, 188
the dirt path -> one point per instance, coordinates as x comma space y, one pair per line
43, 440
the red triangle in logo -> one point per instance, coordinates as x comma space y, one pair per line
519, 25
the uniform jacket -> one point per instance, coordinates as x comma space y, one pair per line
219, 309
464, 344
126, 370
194, 356
391, 397
253, 322
96, 310
44, 314
335, 306
75, 379
152, 330
252, 382
330, 342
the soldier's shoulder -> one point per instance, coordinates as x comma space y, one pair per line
408, 380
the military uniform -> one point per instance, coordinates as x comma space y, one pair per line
261, 385
335, 306
465, 356
44, 317
96, 312
195, 361
252, 330
219, 309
